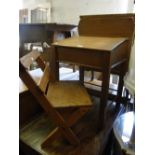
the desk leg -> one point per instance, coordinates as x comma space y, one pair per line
54, 65
121, 84
104, 94
81, 72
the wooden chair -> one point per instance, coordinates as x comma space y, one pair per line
54, 97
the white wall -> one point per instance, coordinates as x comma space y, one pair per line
68, 11
31, 4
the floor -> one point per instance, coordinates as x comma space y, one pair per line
86, 128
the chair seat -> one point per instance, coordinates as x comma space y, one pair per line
68, 94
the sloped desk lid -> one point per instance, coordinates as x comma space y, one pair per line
91, 42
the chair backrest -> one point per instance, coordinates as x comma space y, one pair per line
46, 54
29, 58
37, 90
25, 63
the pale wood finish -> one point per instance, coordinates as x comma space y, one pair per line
96, 43
36, 74
35, 132
63, 92
46, 54
100, 57
44, 79
39, 92
111, 25
53, 114
108, 25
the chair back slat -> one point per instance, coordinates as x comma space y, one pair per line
29, 58
44, 79
46, 54
45, 57
41, 63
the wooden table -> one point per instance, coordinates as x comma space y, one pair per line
41, 32
98, 53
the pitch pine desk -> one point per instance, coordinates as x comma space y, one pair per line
98, 53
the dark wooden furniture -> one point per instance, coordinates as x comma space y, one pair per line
32, 33
98, 53
65, 102
110, 25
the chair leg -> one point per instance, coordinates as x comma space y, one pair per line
72, 120
57, 133
70, 136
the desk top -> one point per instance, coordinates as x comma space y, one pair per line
89, 42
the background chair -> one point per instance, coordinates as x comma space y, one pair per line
54, 97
